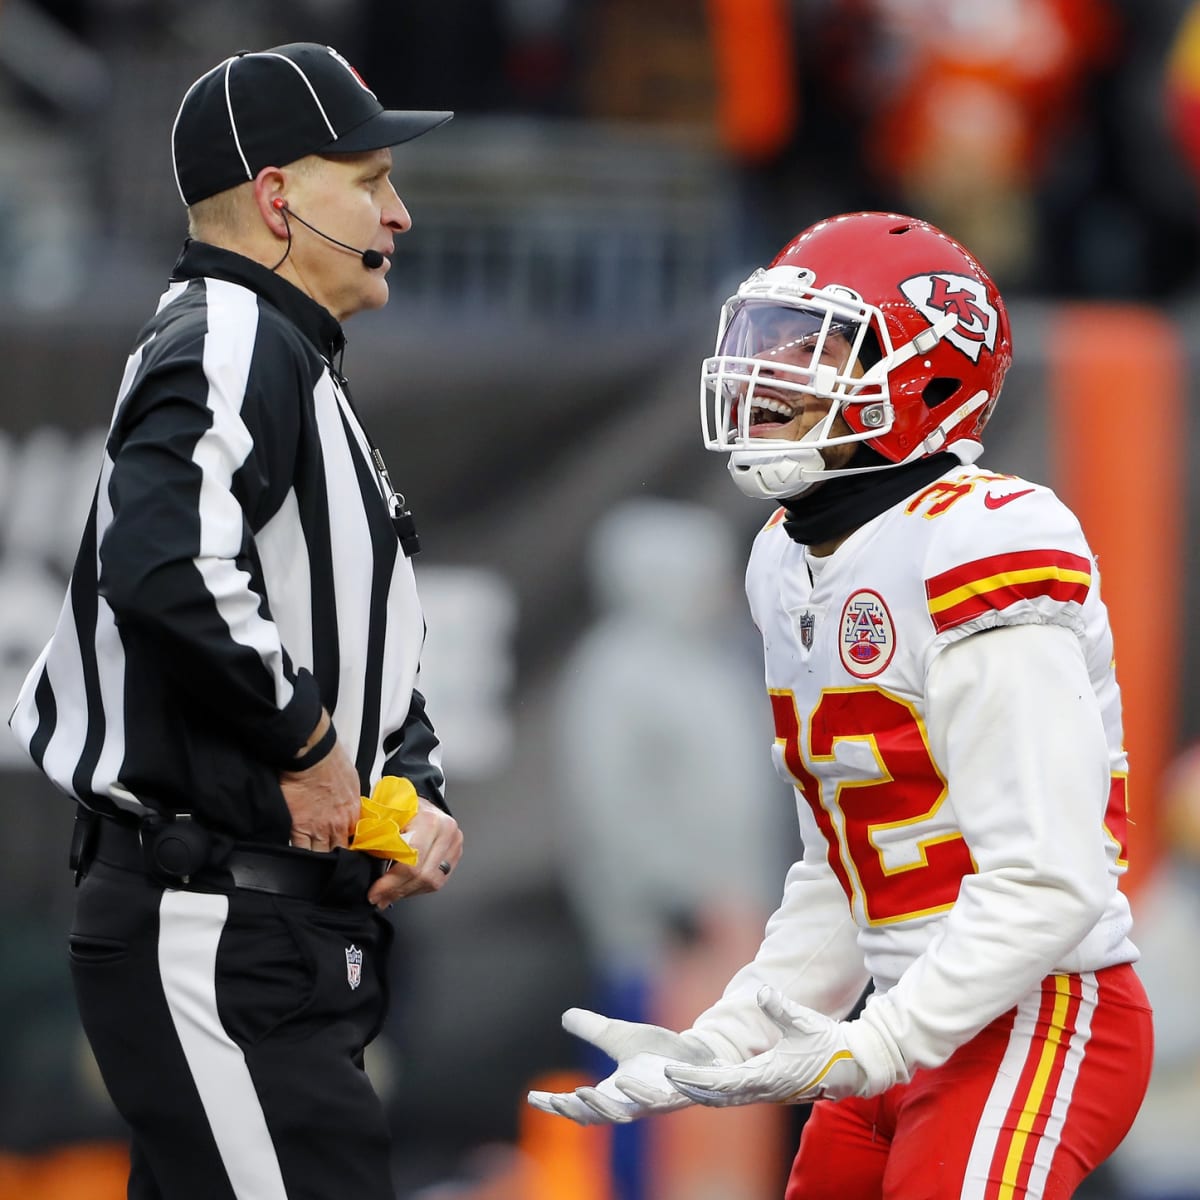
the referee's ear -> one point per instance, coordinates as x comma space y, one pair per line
269, 189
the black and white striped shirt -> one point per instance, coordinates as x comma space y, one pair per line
239, 570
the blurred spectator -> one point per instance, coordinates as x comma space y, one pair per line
978, 97
1183, 86
1160, 1157
949, 109
797, 88
661, 731
1033, 129
1116, 204
648, 63
754, 53
673, 826
542, 54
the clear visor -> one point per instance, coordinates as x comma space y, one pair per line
776, 363
780, 333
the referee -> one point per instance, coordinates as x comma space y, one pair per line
236, 662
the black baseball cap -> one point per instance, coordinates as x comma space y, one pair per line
271, 107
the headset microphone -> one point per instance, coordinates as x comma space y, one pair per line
371, 259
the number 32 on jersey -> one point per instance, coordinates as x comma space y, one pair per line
879, 803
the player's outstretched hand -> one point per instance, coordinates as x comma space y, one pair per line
637, 1086
816, 1058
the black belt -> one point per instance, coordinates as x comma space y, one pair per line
336, 877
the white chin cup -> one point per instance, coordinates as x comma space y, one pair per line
776, 477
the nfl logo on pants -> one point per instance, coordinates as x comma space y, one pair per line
353, 966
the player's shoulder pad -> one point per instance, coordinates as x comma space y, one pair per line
776, 520
772, 533
1001, 550
770, 547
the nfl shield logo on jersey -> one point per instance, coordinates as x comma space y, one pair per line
868, 638
804, 624
353, 966
807, 623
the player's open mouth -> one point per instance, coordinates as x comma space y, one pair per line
768, 412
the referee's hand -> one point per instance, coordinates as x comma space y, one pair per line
324, 801
434, 834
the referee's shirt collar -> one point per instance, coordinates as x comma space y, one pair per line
317, 323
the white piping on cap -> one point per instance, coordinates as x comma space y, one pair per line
311, 91
175, 124
237, 141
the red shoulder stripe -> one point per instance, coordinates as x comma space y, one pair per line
994, 583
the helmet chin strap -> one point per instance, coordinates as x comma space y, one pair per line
790, 474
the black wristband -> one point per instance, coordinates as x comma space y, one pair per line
320, 749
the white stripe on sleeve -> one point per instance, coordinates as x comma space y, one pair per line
228, 350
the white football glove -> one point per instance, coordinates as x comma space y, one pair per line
637, 1086
816, 1058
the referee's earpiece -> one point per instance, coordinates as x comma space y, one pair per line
371, 259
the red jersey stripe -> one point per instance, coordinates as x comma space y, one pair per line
994, 583
998, 564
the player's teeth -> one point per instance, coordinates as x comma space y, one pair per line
773, 406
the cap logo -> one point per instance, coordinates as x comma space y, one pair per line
362, 83
965, 297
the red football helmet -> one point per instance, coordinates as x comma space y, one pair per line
886, 319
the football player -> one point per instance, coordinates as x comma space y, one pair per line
939, 663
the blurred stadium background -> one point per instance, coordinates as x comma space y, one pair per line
615, 168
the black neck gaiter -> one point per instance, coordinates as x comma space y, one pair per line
840, 505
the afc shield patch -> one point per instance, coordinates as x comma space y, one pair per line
354, 960
867, 639
943, 292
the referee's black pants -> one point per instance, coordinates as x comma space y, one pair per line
229, 1027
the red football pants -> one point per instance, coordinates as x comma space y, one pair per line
1023, 1111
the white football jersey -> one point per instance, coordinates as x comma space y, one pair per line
904, 821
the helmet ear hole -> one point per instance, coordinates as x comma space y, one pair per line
939, 390
871, 351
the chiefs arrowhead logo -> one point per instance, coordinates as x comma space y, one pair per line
944, 292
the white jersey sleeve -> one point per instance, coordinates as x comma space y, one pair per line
809, 953
1012, 717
